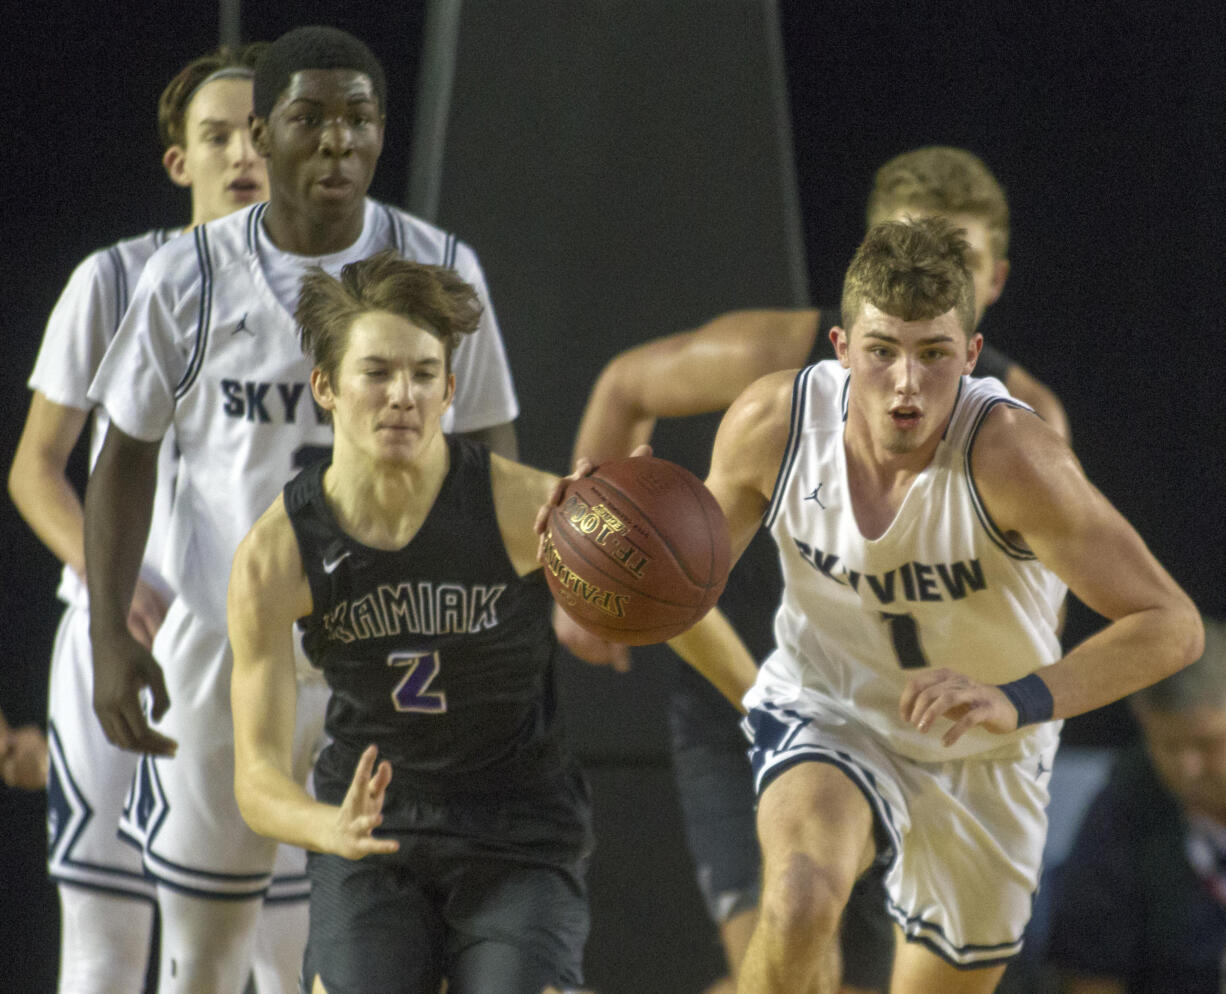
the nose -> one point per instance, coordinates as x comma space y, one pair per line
336, 138
400, 391
242, 149
905, 375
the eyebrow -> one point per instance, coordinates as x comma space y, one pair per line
429, 361
933, 340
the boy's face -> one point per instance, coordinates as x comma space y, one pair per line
322, 141
217, 160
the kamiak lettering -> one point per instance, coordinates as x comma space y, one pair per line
912, 581
424, 608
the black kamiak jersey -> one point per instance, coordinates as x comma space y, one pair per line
439, 653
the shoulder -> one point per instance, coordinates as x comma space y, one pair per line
1022, 466
419, 239
267, 559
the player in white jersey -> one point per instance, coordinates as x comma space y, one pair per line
208, 348
926, 527
105, 897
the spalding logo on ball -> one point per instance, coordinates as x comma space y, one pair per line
638, 551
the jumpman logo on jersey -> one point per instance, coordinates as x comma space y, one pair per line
242, 326
330, 564
813, 496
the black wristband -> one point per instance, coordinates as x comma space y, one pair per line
1031, 698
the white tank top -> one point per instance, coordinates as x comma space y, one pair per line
943, 586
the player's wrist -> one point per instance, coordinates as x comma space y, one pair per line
1030, 697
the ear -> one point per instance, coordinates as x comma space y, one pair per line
449, 396
321, 390
973, 347
259, 135
839, 339
175, 161
1000, 273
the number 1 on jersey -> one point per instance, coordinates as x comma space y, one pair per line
412, 693
904, 633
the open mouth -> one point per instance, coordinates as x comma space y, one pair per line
244, 187
905, 417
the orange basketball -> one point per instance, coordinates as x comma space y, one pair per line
638, 551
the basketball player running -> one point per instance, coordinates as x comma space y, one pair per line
927, 525
409, 559
704, 370
208, 347
105, 899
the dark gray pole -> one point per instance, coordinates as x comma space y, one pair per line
433, 107
230, 23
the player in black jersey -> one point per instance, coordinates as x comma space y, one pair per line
451, 831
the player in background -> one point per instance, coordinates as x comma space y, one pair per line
24, 761
704, 370
451, 833
207, 348
910, 711
105, 899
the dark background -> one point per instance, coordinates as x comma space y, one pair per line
1104, 124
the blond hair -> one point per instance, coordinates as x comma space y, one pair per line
943, 180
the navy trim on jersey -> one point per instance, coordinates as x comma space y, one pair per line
1001, 540
791, 451
845, 397
253, 227
205, 261
937, 942
121, 286
953, 410
450, 248
60, 860
396, 224
768, 762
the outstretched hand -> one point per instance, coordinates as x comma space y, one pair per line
967, 703
123, 668
362, 810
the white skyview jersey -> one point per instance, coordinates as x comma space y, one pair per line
81, 326
207, 348
942, 587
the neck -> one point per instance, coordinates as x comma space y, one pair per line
383, 504
303, 235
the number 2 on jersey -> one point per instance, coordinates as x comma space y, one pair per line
412, 693
904, 634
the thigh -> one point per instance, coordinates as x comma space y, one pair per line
515, 928
372, 928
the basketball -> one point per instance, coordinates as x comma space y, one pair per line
638, 551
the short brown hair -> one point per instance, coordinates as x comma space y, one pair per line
175, 99
943, 180
914, 270
431, 296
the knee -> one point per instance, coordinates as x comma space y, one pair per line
803, 903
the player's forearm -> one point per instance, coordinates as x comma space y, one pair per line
715, 650
118, 509
614, 421
1133, 652
276, 806
49, 504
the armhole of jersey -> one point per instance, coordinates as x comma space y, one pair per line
121, 286
1011, 549
196, 360
800, 399
396, 223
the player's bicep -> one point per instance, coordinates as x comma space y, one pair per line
748, 450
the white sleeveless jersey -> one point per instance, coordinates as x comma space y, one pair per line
81, 326
207, 348
942, 587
